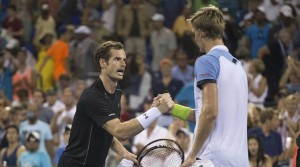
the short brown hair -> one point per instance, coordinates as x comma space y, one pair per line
103, 51
210, 21
266, 115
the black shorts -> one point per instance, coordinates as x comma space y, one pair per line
67, 162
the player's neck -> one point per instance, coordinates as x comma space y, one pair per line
212, 43
109, 84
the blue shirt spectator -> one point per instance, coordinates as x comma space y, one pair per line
38, 159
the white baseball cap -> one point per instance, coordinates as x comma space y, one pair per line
158, 17
83, 30
286, 10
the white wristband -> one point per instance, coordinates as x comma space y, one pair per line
148, 117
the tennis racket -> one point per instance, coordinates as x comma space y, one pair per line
161, 153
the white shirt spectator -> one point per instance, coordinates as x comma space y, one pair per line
273, 10
143, 138
58, 106
258, 101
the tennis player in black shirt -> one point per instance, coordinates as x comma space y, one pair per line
96, 126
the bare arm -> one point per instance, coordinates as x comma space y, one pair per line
207, 117
49, 147
263, 51
192, 117
124, 130
19, 152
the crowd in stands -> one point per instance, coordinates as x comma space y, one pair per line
46, 61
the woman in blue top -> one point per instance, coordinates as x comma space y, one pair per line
10, 154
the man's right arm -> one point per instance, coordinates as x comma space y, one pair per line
125, 130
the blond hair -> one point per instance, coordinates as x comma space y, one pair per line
258, 65
210, 21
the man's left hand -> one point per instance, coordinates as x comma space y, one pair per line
130, 156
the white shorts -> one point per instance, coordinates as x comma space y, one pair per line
203, 163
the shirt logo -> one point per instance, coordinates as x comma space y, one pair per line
111, 114
146, 117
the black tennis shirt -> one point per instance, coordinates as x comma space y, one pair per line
89, 142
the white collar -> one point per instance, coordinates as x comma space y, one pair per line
220, 47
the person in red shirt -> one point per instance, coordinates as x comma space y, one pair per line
13, 24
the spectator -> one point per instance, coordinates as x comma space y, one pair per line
64, 117
13, 24
274, 56
257, 33
273, 7
18, 115
184, 139
82, 54
290, 118
59, 52
45, 23
43, 129
181, 26
171, 10
186, 97
53, 102
133, 25
271, 140
153, 132
5, 121
7, 68
163, 41
258, 87
140, 83
24, 78
45, 79
182, 70
45, 113
110, 13
166, 84
256, 153
33, 156
61, 148
79, 87
197, 4
175, 126
290, 79
10, 155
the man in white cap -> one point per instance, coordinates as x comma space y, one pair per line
163, 41
82, 51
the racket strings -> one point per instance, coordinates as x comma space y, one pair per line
161, 157
161, 153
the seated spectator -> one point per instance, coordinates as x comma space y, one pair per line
175, 126
34, 157
256, 153
61, 148
153, 132
290, 79
258, 87
33, 124
45, 113
10, 155
53, 102
271, 141
184, 138
24, 77
166, 84
182, 70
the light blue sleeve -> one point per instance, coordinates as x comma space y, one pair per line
45, 160
207, 69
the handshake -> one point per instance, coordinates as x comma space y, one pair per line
163, 102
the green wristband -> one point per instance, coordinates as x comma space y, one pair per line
181, 112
